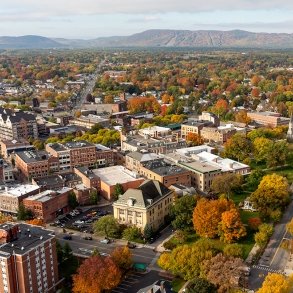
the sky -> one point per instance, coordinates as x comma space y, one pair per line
88, 19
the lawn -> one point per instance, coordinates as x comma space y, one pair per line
284, 171
177, 284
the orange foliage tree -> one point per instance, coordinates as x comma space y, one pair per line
194, 139
122, 257
143, 104
207, 216
4, 218
221, 107
231, 228
36, 222
95, 275
242, 117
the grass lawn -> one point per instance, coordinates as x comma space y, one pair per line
284, 171
177, 284
240, 197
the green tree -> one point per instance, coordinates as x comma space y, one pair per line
95, 128
261, 148
200, 285
277, 154
238, 147
118, 189
24, 214
107, 226
94, 198
132, 233
72, 201
235, 250
254, 178
148, 232
183, 211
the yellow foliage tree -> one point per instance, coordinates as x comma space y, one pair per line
277, 283
122, 257
231, 227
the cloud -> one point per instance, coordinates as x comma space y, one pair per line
145, 18
90, 7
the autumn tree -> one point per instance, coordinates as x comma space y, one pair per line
223, 271
254, 223
265, 231
261, 148
5, 218
272, 194
186, 260
107, 226
277, 283
238, 147
226, 183
289, 227
109, 99
207, 216
277, 154
36, 222
95, 275
194, 139
182, 211
221, 107
235, 250
200, 285
122, 257
231, 228
242, 117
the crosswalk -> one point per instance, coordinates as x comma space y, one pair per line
267, 269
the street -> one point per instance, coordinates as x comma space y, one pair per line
274, 258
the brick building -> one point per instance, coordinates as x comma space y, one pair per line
48, 204
268, 118
9, 147
36, 163
28, 259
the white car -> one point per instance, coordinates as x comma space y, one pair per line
106, 241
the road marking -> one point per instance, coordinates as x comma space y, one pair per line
267, 269
278, 247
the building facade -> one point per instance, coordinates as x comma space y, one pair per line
17, 125
28, 259
149, 204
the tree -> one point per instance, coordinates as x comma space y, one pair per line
261, 148
118, 189
200, 285
234, 250
186, 260
72, 201
24, 214
194, 139
5, 218
263, 235
271, 194
242, 117
107, 226
182, 210
95, 128
289, 227
94, 198
277, 283
36, 222
237, 147
277, 154
148, 232
254, 178
223, 271
122, 257
109, 99
221, 107
254, 223
95, 275
131, 233
231, 228
207, 216
226, 183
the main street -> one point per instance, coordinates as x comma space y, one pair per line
82, 247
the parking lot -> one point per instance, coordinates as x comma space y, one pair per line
82, 220
128, 283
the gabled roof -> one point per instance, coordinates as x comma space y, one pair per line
149, 192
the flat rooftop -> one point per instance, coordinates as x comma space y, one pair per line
162, 168
115, 174
31, 156
70, 145
49, 180
28, 237
47, 194
202, 167
18, 190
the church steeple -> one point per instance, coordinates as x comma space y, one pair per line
290, 130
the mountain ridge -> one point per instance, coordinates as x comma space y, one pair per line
159, 38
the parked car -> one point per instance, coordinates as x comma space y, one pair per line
131, 245
105, 241
67, 237
88, 238
104, 254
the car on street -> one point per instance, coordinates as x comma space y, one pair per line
105, 241
67, 237
131, 245
104, 254
88, 238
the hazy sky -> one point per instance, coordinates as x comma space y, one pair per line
96, 18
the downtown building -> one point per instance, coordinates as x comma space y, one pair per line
17, 125
28, 259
